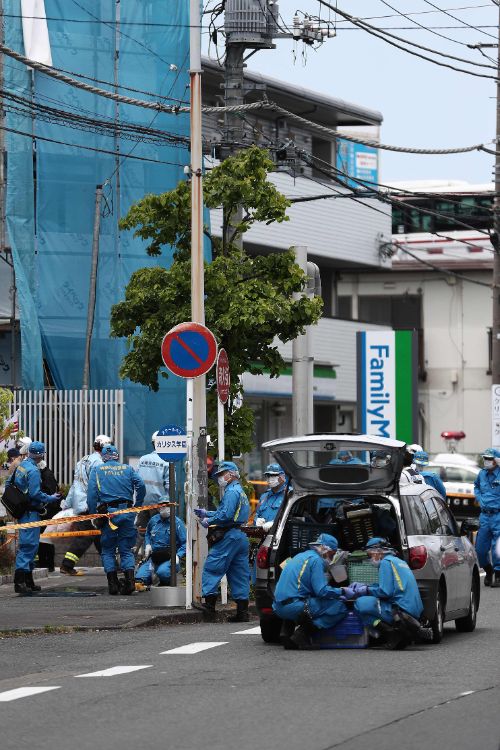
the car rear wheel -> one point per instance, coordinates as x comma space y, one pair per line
270, 629
468, 623
437, 622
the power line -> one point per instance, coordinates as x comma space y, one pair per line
374, 31
444, 271
450, 15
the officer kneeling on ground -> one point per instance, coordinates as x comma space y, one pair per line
303, 595
386, 604
157, 548
228, 545
111, 487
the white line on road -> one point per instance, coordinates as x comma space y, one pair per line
250, 631
112, 671
13, 695
195, 648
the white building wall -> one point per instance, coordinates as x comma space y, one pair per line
456, 318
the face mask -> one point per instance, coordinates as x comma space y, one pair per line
222, 482
164, 513
273, 482
42, 465
489, 463
375, 563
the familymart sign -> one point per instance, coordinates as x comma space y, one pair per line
387, 384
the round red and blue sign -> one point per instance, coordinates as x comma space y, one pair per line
189, 350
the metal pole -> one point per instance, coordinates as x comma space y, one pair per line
92, 288
495, 364
173, 535
233, 96
199, 457
221, 455
188, 494
302, 370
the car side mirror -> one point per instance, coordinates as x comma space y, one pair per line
468, 526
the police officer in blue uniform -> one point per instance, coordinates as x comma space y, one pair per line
154, 472
420, 461
157, 547
27, 479
111, 487
228, 545
487, 490
303, 596
270, 501
397, 589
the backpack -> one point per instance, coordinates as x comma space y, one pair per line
15, 500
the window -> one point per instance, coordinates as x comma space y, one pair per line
459, 474
435, 523
416, 518
344, 307
447, 526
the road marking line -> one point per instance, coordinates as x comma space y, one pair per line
24, 692
112, 671
195, 648
250, 631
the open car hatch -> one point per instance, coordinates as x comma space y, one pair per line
350, 464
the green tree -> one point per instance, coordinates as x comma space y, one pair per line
250, 301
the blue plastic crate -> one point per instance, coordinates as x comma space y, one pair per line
349, 633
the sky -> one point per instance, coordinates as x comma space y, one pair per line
423, 105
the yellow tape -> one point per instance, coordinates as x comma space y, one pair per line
76, 519
60, 534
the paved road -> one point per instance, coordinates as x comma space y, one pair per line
240, 694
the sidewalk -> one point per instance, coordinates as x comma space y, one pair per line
83, 603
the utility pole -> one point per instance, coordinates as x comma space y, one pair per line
198, 463
495, 364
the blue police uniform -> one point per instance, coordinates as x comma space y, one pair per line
396, 587
158, 536
229, 556
112, 484
154, 472
433, 480
487, 491
270, 502
303, 582
27, 478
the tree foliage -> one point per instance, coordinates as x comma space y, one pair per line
250, 300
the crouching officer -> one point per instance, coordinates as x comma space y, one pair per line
228, 545
380, 605
157, 548
27, 478
303, 595
111, 487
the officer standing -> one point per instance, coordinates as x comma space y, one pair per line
154, 472
303, 595
228, 545
397, 587
270, 501
111, 487
420, 461
27, 478
157, 547
76, 499
487, 490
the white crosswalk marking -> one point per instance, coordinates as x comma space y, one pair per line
24, 692
112, 671
195, 648
249, 631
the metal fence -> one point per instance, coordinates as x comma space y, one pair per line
68, 421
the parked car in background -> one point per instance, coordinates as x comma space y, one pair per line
355, 500
458, 474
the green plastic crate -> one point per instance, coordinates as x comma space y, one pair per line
362, 572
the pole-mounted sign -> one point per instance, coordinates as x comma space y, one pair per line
223, 376
189, 350
171, 443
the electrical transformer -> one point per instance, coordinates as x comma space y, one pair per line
253, 23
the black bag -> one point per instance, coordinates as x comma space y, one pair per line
15, 501
216, 533
160, 555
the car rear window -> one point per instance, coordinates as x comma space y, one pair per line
447, 522
416, 517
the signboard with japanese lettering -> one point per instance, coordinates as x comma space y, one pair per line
495, 416
171, 443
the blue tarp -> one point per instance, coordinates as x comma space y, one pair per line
150, 42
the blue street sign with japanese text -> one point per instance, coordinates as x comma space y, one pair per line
171, 443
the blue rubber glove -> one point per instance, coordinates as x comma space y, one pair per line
205, 523
200, 512
348, 592
360, 589
55, 496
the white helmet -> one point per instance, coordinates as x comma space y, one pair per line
154, 435
24, 444
101, 440
414, 448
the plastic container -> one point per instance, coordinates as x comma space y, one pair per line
362, 571
349, 633
300, 534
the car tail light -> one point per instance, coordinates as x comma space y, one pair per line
263, 556
418, 557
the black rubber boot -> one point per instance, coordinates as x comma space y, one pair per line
20, 582
113, 583
30, 583
302, 637
208, 608
495, 584
286, 632
488, 579
242, 614
127, 584
395, 640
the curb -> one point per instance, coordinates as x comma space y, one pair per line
37, 573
